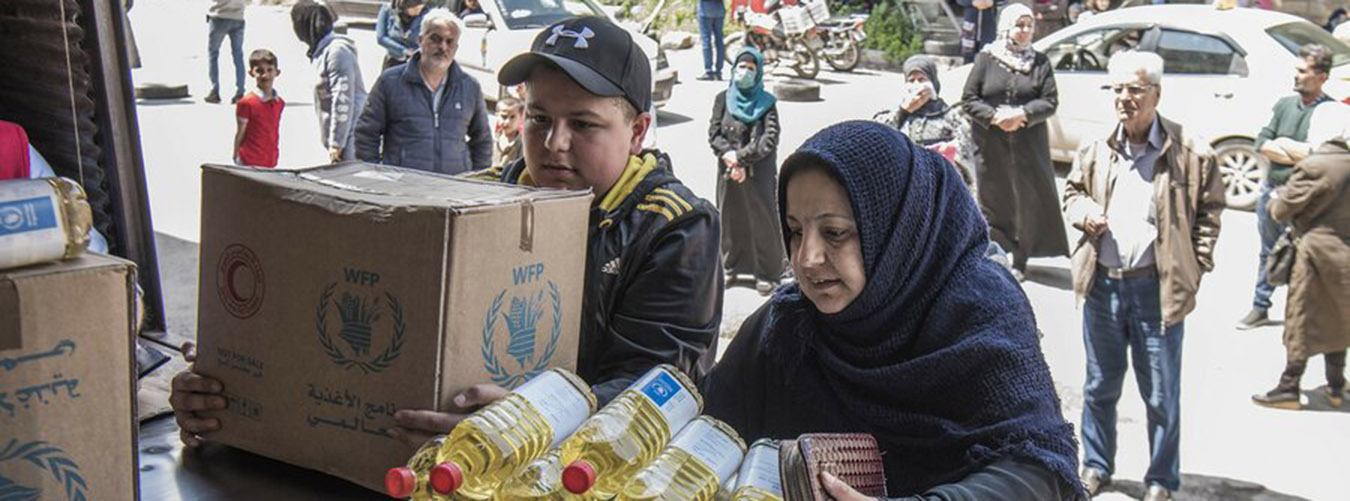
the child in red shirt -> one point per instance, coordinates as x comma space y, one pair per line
259, 114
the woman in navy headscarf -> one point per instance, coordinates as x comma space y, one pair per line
898, 327
743, 133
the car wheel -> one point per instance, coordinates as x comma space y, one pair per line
1243, 171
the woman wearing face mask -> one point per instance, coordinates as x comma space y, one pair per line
898, 327
397, 28
929, 121
1009, 95
743, 133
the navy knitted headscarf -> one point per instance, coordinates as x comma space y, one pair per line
938, 356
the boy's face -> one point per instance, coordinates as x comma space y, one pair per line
575, 139
264, 73
509, 120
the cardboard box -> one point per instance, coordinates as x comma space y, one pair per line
331, 297
67, 382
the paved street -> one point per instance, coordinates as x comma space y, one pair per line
1228, 444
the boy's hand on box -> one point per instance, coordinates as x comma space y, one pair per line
193, 393
415, 426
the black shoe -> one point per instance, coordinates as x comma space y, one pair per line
236, 98
1255, 318
706, 77
1157, 493
1279, 398
213, 97
1334, 396
1094, 481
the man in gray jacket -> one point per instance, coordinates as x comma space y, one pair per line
427, 114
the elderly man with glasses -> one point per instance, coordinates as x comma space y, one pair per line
428, 114
1147, 199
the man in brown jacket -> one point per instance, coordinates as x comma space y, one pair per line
1147, 199
1316, 199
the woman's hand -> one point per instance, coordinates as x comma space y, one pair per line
737, 174
839, 490
416, 426
918, 100
335, 155
192, 393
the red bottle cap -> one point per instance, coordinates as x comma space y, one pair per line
578, 477
446, 478
400, 482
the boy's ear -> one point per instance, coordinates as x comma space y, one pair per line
641, 124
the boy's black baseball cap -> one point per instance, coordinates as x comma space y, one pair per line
599, 55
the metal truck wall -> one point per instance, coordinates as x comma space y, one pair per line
67, 81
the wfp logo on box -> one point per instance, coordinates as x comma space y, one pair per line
521, 317
366, 320
46, 457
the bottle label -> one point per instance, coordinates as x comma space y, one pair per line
558, 401
30, 227
711, 445
760, 469
677, 405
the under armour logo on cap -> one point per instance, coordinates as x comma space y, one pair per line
582, 37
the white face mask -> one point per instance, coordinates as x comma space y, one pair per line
744, 78
913, 89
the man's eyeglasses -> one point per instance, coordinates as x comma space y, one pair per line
1131, 89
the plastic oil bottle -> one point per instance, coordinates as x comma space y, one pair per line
703, 456
758, 479
628, 433
538, 480
414, 480
498, 439
42, 220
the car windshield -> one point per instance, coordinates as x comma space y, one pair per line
1295, 35
526, 14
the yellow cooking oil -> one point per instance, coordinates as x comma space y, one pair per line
538, 480
498, 439
758, 478
627, 434
414, 480
701, 457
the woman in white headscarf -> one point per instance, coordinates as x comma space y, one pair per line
1009, 96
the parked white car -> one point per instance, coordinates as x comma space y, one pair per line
1223, 72
506, 28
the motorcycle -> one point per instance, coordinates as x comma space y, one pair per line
840, 41
779, 43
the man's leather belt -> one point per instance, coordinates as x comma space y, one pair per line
1122, 273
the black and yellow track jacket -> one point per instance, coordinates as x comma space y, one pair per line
653, 290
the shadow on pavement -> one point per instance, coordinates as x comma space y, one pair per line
167, 102
1204, 487
1059, 278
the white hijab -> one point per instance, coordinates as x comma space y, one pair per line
1005, 50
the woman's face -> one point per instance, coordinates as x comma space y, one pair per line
1023, 30
415, 10
747, 65
823, 240
917, 77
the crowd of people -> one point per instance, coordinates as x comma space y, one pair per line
904, 239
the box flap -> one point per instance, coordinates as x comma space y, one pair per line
10, 320
389, 186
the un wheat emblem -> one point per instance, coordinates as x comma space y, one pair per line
358, 316
522, 319
47, 457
